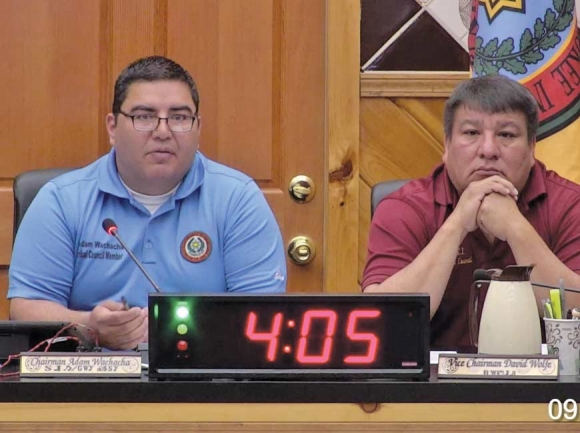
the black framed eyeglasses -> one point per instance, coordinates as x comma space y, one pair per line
147, 122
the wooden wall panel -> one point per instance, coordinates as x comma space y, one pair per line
129, 29
50, 82
410, 84
261, 70
3, 289
342, 224
245, 86
197, 51
233, 55
428, 112
400, 138
6, 217
394, 145
134, 29
132, 32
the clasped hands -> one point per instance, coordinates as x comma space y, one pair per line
118, 328
491, 205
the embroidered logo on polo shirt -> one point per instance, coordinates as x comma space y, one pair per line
196, 247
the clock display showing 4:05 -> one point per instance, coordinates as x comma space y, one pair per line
288, 332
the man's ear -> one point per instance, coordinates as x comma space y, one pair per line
532, 152
444, 157
198, 131
111, 123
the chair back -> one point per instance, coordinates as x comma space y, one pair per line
383, 189
26, 186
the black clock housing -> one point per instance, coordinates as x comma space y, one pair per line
289, 336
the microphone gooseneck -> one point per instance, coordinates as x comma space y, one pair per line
111, 228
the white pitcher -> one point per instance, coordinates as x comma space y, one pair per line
510, 323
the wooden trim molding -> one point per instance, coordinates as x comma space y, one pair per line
278, 413
342, 139
6, 221
409, 84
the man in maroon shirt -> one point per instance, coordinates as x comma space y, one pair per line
489, 205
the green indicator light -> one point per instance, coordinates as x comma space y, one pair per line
156, 311
181, 329
182, 312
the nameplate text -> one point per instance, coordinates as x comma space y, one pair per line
83, 364
471, 366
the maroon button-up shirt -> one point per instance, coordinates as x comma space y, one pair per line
406, 221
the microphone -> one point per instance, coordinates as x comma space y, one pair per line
483, 275
111, 228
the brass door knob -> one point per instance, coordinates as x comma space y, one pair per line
301, 250
301, 189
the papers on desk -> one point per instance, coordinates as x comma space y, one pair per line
434, 355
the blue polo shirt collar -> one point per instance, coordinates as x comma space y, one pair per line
110, 183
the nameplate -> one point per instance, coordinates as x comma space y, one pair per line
472, 366
82, 364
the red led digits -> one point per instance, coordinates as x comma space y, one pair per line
330, 328
314, 348
371, 354
270, 337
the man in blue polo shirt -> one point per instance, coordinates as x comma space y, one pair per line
196, 225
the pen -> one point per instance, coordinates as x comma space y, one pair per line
562, 296
125, 303
547, 309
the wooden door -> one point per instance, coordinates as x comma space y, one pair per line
259, 66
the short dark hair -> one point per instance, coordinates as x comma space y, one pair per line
493, 94
153, 68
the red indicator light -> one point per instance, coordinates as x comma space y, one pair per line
372, 339
291, 323
330, 317
287, 349
270, 337
182, 345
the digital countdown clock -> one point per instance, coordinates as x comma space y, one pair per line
288, 336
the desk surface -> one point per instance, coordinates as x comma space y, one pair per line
434, 406
149, 391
